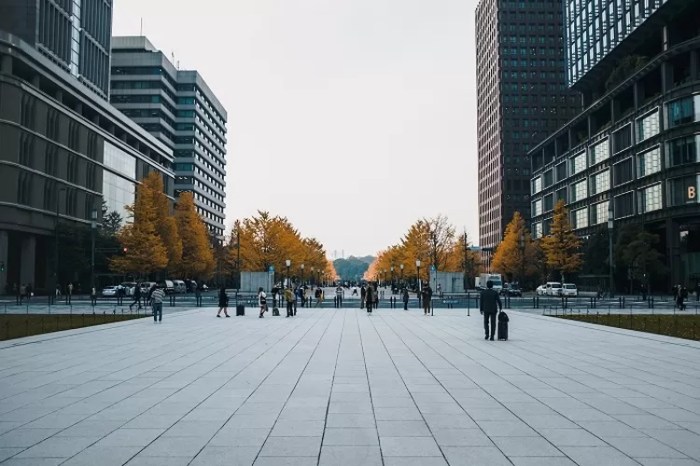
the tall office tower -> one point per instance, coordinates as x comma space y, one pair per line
632, 155
74, 34
179, 108
521, 97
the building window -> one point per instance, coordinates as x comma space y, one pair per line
650, 198
537, 229
600, 152
549, 202
649, 162
74, 136
648, 126
50, 196
537, 207
685, 110
117, 192
579, 191
684, 190
72, 168
26, 149
561, 171
537, 185
683, 150
600, 214
548, 178
622, 172
600, 182
622, 139
119, 161
71, 201
578, 163
581, 218
624, 205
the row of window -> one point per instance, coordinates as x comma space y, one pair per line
679, 191
680, 151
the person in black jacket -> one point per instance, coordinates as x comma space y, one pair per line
223, 302
489, 305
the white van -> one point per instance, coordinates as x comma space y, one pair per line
179, 286
552, 289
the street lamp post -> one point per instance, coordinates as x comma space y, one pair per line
420, 284
302, 274
401, 267
289, 263
52, 293
392, 279
238, 261
611, 218
93, 225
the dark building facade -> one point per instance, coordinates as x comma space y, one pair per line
521, 97
73, 34
634, 151
180, 109
65, 150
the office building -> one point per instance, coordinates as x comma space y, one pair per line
65, 150
521, 97
74, 34
633, 152
181, 110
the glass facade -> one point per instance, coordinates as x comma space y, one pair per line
580, 218
579, 191
592, 28
600, 182
578, 163
600, 152
649, 162
119, 161
118, 192
684, 190
650, 198
683, 150
600, 213
537, 207
685, 110
648, 126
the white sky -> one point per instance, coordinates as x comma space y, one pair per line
352, 118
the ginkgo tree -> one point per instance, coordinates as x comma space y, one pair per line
266, 241
562, 248
516, 256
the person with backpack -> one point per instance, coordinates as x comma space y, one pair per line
489, 306
262, 302
318, 294
427, 296
223, 302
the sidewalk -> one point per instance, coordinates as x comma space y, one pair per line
338, 387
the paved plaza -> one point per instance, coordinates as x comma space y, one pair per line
338, 387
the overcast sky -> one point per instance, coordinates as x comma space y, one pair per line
352, 118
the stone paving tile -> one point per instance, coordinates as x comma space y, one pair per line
345, 388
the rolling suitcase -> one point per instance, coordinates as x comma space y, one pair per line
503, 325
240, 310
275, 312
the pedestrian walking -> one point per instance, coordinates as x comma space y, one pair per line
404, 296
427, 295
369, 299
489, 306
93, 295
262, 302
339, 295
15, 290
319, 296
22, 292
223, 302
137, 297
156, 298
289, 298
30, 291
363, 296
69, 293
682, 296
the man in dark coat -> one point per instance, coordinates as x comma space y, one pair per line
489, 305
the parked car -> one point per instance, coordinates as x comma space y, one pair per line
513, 290
553, 289
110, 290
167, 286
145, 287
569, 289
541, 290
129, 288
179, 286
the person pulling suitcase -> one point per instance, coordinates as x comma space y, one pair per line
489, 305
